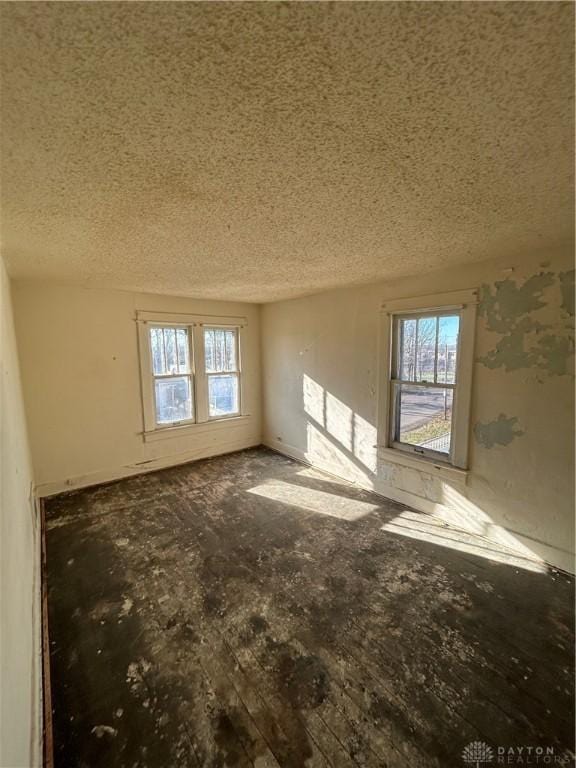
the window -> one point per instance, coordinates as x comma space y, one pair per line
172, 372
221, 362
428, 384
190, 370
423, 382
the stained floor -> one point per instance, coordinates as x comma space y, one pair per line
248, 611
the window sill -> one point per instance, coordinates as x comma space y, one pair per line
181, 430
424, 464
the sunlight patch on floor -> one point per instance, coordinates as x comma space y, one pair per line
311, 500
416, 525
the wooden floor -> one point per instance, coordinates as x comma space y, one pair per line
245, 610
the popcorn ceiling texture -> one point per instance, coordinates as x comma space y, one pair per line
259, 151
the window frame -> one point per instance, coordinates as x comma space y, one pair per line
195, 324
464, 304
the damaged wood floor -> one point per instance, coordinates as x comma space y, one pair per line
248, 611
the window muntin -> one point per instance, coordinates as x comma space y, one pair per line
222, 371
423, 382
170, 350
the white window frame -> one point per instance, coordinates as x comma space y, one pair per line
199, 378
464, 304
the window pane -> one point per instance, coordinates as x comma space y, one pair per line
448, 329
425, 416
220, 350
223, 395
173, 399
170, 350
408, 350
183, 350
157, 350
209, 351
230, 342
170, 347
426, 348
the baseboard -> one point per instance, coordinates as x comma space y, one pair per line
48, 742
43, 490
550, 555
37, 663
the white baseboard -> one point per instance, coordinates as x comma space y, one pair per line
139, 468
37, 735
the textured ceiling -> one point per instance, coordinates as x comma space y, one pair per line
258, 151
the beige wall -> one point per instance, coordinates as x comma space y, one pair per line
20, 627
320, 381
80, 369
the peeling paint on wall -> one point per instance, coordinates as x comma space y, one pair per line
504, 305
507, 308
500, 431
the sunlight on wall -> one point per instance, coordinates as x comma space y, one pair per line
449, 503
339, 421
472, 518
320, 502
332, 420
365, 442
341, 442
322, 452
313, 395
417, 525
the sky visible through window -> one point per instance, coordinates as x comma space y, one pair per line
428, 348
450, 329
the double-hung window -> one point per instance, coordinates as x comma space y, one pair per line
190, 370
423, 382
429, 356
173, 376
223, 372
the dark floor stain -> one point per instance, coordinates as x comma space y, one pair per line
304, 678
227, 739
258, 624
213, 604
193, 623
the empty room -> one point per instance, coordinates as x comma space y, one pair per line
287, 384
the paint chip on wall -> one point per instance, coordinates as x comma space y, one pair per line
500, 431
